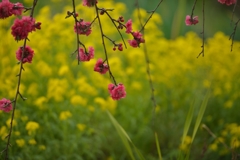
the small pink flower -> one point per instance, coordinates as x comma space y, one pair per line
227, 2
6, 8
83, 28
17, 9
27, 56
101, 67
86, 56
5, 105
137, 39
120, 47
117, 92
190, 21
89, 3
22, 27
129, 26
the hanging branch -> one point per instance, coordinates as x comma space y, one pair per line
14, 102
103, 43
152, 12
232, 36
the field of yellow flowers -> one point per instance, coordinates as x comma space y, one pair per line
64, 116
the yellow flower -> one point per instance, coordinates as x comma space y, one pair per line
31, 127
42, 147
9, 121
65, 115
20, 142
78, 100
32, 142
3, 132
81, 126
63, 70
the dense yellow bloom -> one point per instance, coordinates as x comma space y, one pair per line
81, 126
20, 142
32, 142
31, 127
65, 115
78, 100
14, 122
3, 132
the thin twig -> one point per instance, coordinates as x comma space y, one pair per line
152, 12
203, 29
76, 21
104, 46
232, 36
148, 66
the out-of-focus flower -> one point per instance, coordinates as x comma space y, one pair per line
83, 28
5, 105
227, 2
101, 67
6, 8
31, 127
89, 3
190, 21
117, 92
86, 56
129, 26
137, 39
27, 55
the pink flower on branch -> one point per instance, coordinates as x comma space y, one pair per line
117, 92
129, 26
27, 55
227, 2
190, 21
89, 3
86, 56
137, 39
83, 28
5, 105
101, 67
6, 8
17, 9
22, 27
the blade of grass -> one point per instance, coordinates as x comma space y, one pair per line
158, 147
123, 135
188, 122
200, 114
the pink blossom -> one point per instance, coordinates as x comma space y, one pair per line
133, 43
22, 27
137, 39
120, 47
101, 67
17, 9
190, 21
89, 3
117, 92
227, 2
86, 56
6, 8
83, 28
129, 26
27, 56
5, 105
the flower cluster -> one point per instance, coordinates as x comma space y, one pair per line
227, 2
137, 36
26, 56
101, 67
5, 105
117, 91
22, 27
137, 39
83, 28
8, 9
84, 55
190, 21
